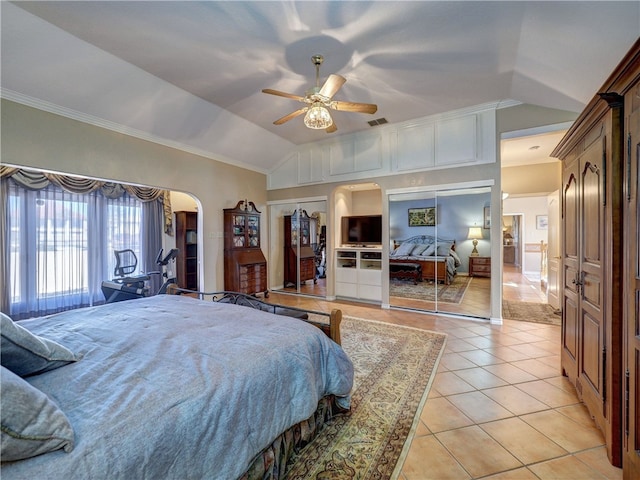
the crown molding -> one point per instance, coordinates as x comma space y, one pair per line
49, 107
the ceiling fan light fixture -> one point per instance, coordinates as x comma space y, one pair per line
318, 117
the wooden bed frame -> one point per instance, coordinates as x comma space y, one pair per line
331, 327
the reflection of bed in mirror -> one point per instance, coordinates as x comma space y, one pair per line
436, 256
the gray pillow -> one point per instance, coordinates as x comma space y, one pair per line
405, 249
24, 353
443, 249
430, 250
419, 249
31, 423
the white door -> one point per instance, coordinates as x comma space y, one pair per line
553, 250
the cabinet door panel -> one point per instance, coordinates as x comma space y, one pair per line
591, 354
570, 315
591, 207
570, 329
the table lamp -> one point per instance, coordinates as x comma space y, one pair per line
474, 234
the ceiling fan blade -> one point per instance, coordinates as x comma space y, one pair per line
332, 85
286, 118
354, 107
332, 128
282, 94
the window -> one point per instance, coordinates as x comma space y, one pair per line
61, 246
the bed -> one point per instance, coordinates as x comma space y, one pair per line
437, 257
172, 387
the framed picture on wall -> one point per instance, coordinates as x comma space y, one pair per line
542, 222
422, 217
487, 217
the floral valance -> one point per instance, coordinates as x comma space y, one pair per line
37, 180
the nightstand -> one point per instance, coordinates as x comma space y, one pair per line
479, 266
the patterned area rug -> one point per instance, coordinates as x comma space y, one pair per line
530, 312
453, 293
394, 369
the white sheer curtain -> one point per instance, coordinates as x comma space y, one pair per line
61, 246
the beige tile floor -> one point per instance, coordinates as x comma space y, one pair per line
499, 407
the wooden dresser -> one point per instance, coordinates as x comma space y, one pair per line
479, 266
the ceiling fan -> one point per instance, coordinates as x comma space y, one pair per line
319, 99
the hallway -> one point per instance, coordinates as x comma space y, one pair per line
517, 287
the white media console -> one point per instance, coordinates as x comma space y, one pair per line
359, 273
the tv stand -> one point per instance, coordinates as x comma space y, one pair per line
359, 273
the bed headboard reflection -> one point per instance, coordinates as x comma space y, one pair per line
424, 240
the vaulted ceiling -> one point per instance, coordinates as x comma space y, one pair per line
190, 74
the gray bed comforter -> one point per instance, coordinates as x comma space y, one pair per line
171, 387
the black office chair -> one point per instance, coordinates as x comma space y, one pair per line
125, 286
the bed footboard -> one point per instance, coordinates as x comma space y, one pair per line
329, 323
432, 268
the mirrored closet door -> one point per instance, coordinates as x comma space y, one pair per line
439, 258
297, 257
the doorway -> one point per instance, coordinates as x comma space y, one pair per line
530, 180
512, 241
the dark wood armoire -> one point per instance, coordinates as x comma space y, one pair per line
600, 328
245, 267
631, 271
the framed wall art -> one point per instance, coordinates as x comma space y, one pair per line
542, 222
422, 217
487, 217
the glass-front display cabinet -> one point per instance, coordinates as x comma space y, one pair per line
245, 266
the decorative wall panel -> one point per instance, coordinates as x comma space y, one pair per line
415, 147
456, 141
310, 166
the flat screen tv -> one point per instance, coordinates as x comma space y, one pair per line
362, 230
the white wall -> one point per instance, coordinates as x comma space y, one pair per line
529, 208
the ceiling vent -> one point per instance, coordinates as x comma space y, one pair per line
379, 121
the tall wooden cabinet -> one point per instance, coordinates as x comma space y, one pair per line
599, 278
245, 267
297, 229
187, 244
631, 280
